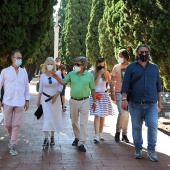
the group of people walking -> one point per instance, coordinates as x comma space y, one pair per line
139, 81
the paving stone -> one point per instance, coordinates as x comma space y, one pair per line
106, 155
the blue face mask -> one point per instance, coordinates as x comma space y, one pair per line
18, 62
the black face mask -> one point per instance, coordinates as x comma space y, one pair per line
100, 67
143, 58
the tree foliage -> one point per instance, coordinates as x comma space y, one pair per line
61, 14
105, 42
115, 25
92, 37
24, 26
75, 29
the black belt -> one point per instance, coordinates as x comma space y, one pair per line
144, 102
80, 98
50, 97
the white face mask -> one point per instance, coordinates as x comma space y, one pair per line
120, 60
49, 67
76, 69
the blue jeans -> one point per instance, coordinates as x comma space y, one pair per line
149, 114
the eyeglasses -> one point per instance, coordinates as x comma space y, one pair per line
77, 64
142, 52
50, 80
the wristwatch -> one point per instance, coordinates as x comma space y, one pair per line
124, 98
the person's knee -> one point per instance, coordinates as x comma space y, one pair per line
96, 118
136, 126
15, 126
8, 127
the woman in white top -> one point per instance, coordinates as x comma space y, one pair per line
49, 97
104, 106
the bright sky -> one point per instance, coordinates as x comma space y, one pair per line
57, 6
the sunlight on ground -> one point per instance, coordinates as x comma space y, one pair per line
110, 126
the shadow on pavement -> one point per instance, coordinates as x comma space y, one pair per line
106, 155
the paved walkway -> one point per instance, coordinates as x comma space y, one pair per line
106, 155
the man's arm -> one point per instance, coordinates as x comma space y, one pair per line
159, 90
159, 102
112, 86
124, 104
93, 93
125, 88
1, 84
55, 76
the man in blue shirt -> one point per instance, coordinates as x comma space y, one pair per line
142, 78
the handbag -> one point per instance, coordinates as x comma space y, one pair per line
98, 96
131, 85
38, 113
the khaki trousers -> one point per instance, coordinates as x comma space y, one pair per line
79, 113
123, 116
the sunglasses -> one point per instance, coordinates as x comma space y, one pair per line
77, 64
50, 80
142, 52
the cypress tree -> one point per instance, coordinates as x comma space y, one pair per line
61, 13
75, 29
24, 25
92, 38
105, 43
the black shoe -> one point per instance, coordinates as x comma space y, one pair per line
117, 136
82, 148
52, 141
45, 143
75, 142
125, 139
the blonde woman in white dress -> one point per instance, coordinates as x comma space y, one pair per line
49, 97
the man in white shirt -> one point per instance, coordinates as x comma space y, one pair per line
14, 80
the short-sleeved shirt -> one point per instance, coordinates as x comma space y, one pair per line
118, 72
80, 84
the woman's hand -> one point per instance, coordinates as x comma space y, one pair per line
54, 98
100, 72
113, 97
38, 103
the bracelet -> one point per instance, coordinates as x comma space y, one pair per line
123, 99
27, 100
112, 93
94, 103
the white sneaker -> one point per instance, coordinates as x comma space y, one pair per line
96, 138
101, 137
13, 151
